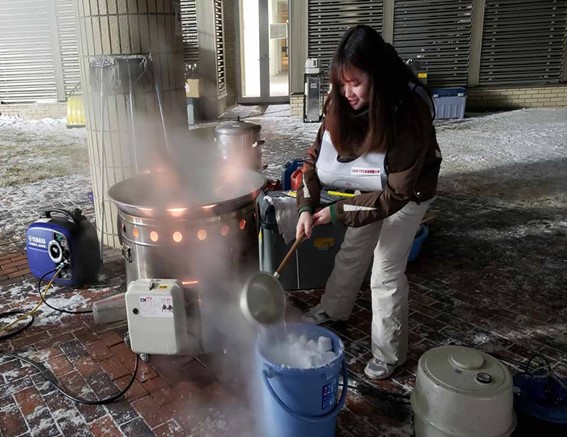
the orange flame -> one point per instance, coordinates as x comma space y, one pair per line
176, 212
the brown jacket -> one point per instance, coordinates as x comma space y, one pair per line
412, 166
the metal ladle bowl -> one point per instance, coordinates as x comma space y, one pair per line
263, 299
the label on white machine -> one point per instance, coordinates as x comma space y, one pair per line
156, 306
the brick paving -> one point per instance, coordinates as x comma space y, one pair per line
476, 283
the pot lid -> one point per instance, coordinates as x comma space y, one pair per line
458, 368
188, 194
237, 127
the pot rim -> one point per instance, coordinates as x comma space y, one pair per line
216, 206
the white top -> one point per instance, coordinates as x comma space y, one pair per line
365, 173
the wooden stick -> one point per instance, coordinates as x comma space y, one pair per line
428, 217
289, 254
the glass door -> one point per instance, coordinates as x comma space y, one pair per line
263, 62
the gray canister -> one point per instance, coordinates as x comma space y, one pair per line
239, 142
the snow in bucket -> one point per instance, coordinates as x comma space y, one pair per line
300, 367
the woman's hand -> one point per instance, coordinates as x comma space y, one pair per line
322, 217
304, 224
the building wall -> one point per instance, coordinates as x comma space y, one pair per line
35, 111
490, 98
296, 104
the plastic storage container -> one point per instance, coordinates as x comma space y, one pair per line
312, 263
449, 102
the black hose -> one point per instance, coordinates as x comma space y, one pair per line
48, 375
52, 307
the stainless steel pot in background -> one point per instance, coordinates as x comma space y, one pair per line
239, 142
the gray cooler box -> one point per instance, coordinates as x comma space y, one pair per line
312, 263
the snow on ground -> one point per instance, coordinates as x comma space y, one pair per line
36, 150
519, 155
516, 155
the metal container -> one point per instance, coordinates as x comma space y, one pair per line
263, 299
462, 392
181, 228
239, 142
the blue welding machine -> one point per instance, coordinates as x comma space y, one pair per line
63, 240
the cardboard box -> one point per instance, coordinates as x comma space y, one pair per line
192, 88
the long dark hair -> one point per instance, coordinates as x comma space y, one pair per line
363, 48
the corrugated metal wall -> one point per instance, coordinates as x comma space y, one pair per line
328, 20
189, 30
26, 62
67, 33
219, 45
438, 34
523, 42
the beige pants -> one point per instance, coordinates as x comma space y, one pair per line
390, 241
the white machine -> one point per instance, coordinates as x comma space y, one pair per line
312, 66
157, 318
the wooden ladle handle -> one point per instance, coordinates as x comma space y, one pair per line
289, 254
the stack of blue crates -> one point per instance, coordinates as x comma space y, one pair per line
449, 102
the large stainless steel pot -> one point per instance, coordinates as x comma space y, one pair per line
169, 225
199, 227
239, 142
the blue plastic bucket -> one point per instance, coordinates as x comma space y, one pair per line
302, 402
421, 235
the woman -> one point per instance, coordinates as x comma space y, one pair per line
378, 140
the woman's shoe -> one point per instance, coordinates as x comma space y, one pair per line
377, 369
316, 315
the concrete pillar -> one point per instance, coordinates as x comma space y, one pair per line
298, 13
477, 30
388, 12
121, 141
213, 98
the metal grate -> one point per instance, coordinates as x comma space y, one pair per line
438, 34
26, 61
329, 19
189, 31
523, 42
219, 47
67, 32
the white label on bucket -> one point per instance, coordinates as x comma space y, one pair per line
156, 306
328, 396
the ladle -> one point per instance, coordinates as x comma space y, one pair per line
263, 299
